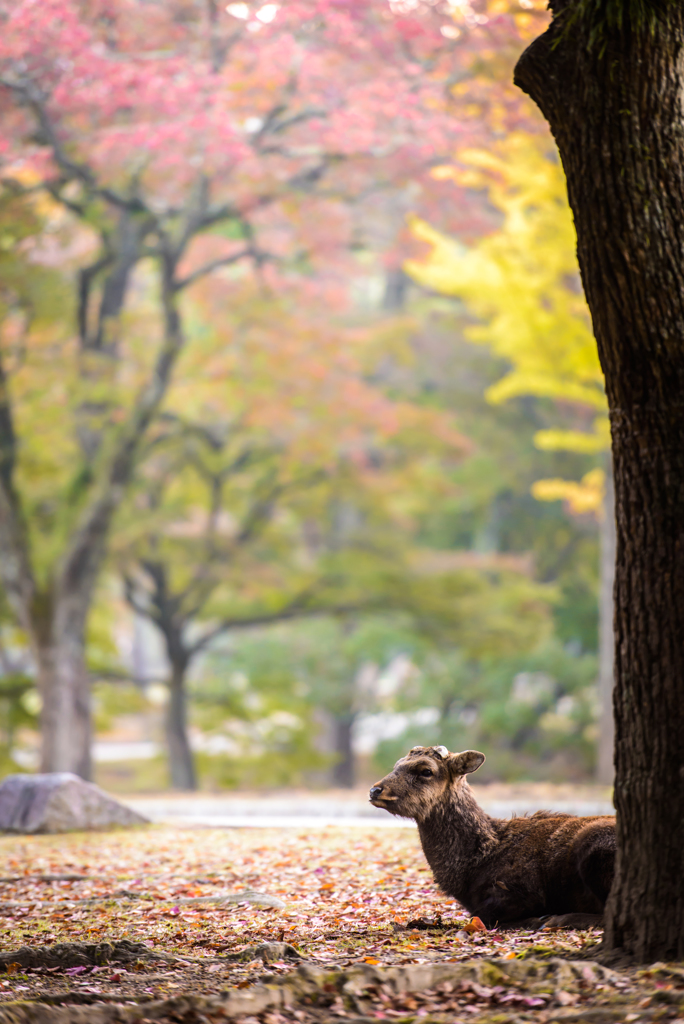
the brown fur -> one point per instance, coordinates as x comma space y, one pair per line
507, 872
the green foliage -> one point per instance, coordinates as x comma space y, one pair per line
489, 512
149, 775
320, 661
261, 718
541, 720
532, 714
280, 765
31, 291
112, 700
18, 708
266, 692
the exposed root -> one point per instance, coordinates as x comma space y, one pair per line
80, 954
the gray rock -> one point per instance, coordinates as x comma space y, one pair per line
259, 899
59, 802
266, 951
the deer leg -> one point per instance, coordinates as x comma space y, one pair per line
510, 908
577, 921
524, 923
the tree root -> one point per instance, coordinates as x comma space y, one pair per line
81, 954
313, 986
258, 899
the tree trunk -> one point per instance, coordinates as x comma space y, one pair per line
343, 770
181, 760
58, 642
65, 715
606, 740
615, 108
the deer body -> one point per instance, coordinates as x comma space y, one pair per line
507, 872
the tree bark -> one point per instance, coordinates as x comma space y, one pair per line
615, 109
343, 770
65, 718
162, 609
181, 760
605, 770
55, 618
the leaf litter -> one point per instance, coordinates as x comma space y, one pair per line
161, 912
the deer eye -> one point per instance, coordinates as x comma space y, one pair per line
425, 773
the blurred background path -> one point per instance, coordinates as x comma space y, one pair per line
351, 809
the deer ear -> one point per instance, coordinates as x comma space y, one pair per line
466, 762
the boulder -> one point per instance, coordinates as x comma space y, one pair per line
59, 802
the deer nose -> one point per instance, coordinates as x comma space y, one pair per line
375, 792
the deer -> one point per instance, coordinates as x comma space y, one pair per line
543, 870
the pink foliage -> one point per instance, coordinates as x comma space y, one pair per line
263, 104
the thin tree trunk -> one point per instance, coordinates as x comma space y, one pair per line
60, 649
615, 108
56, 628
181, 760
606, 740
343, 771
65, 720
396, 287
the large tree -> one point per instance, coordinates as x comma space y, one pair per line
609, 77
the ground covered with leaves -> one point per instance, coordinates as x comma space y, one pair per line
161, 913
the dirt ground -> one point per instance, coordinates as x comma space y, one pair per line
345, 900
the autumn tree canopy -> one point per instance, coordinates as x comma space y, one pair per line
172, 141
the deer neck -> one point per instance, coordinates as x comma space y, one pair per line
455, 838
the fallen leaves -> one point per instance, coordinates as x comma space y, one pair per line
364, 898
493, 991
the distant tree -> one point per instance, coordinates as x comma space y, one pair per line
452, 609
298, 505
355, 663
609, 78
180, 139
529, 705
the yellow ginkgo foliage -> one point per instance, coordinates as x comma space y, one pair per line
522, 284
583, 496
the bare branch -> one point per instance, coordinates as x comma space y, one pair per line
117, 676
200, 589
131, 595
86, 277
307, 178
208, 268
273, 126
72, 168
262, 508
295, 610
84, 554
